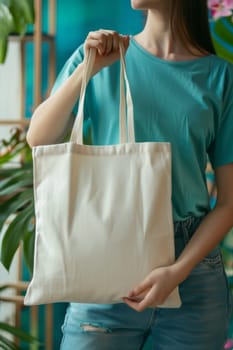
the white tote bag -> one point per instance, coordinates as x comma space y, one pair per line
103, 213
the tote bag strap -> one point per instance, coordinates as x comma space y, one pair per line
126, 129
125, 90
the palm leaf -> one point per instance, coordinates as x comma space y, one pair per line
14, 204
18, 333
19, 186
14, 234
16, 176
7, 155
28, 249
5, 172
16, 190
6, 344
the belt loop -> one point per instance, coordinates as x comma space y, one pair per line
192, 224
186, 226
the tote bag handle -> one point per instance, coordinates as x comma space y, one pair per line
126, 133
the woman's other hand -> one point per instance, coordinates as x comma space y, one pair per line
155, 288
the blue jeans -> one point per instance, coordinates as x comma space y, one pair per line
201, 322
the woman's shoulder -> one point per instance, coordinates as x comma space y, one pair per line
76, 57
218, 72
220, 63
68, 68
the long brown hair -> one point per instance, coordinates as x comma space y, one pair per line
189, 20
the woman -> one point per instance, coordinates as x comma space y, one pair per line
182, 94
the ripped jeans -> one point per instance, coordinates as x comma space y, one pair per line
201, 323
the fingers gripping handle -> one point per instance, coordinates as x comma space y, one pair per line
125, 101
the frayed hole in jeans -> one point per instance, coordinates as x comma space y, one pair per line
94, 328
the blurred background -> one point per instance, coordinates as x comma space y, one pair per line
36, 38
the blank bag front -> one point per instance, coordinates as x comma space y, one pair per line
103, 213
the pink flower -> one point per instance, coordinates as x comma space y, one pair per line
228, 345
220, 8
228, 3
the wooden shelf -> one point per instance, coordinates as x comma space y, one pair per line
20, 285
23, 122
46, 37
17, 299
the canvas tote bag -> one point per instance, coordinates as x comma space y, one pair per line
103, 213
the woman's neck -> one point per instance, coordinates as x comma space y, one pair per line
157, 38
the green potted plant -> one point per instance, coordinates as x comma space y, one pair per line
7, 344
16, 193
16, 214
15, 16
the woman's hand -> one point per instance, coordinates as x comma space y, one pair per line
155, 289
106, 43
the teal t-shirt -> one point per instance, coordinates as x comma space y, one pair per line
189, 104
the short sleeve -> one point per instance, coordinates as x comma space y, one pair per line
221, 149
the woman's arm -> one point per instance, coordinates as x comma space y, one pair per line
159, 284
52, 119
216, 224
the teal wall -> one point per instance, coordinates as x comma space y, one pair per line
76, 18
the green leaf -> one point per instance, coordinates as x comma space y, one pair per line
8, 171
28, 250
7, 156
223, 32
3, 49
26, 7
17, 332
15, 15
222, 38
2, 288
6, 26
6, 344
222, 52
16, 176
6, 20
15, 203
3, 346
5, 2
14, 234
15, 187
23, 14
